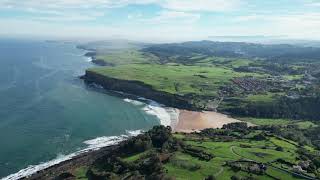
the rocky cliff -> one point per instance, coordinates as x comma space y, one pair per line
139, 89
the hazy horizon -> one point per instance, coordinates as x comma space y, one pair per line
159, 20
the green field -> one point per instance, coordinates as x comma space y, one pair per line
127, 56
261, 121
198, 75
262, 98
206, 78
206, 72
183, 166
175, 79
250, 87
234, 152
227, 62
260, 151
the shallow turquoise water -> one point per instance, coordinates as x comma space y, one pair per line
47, 111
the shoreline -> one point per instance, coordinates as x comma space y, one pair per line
183, 121
139, 89
184, 118
96, 148
193, 121
180, 120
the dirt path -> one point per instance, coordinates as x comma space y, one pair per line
220, 171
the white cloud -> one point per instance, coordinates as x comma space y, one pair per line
201, 5
173, 17
177, 5
174, 20
65, 18
50, 30
55, 10
69, 4
297, 18
302, 25
313, 3
88, 10
294, 25
246, 18
134, 16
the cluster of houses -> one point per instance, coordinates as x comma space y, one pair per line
248, 166
254, 85
251, 84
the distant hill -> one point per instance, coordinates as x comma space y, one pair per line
112, 45
274, 52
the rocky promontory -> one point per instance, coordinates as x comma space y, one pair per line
84, 159
139, 89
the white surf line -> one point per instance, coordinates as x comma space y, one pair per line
174, 115
89, 59
134, 102
168, 116
93, 144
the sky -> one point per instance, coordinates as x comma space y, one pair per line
159, 20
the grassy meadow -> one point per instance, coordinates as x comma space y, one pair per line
183, 166
175, 79
302, 124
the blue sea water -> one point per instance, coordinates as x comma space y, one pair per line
47, 111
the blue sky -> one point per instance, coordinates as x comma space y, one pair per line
159, 20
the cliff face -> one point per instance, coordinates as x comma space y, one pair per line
85, 159
139, 89
101, 62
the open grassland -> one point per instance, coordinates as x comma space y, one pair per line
245, 87
183, 166
175, 79
259, 151
261, 121
262, 98
221, 61
127, 56
233, 152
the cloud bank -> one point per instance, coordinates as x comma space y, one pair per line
159, 19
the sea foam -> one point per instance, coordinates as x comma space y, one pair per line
167, 116
89, 59
93, 144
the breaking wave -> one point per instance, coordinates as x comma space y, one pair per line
88, 59
166, 115
93, 144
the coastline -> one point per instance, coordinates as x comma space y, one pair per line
96, 148
183, 115
191, 121
184, 121
139, 89
181, 118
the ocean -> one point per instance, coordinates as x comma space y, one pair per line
47, 112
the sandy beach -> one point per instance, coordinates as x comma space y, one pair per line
189, 121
